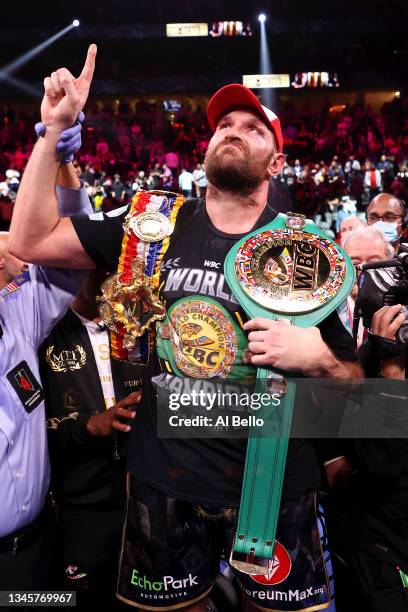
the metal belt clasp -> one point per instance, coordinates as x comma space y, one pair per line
250, 563
276, 384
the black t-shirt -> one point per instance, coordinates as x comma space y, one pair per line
201, 470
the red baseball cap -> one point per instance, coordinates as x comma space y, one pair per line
236, 96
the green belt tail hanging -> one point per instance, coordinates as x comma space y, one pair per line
288, 269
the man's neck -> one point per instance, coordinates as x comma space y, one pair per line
86, 309
232, 213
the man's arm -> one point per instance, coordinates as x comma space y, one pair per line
329, 366
45, 293
68, 178
37, 234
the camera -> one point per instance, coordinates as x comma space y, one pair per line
383, 283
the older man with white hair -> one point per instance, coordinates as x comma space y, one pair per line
364, 245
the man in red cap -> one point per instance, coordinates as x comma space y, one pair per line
184, 492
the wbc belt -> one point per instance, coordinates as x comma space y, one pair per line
288, 269
130, 303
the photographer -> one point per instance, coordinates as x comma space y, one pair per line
379, 526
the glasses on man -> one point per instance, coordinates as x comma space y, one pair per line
387, 217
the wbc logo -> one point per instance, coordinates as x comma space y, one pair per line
278, 568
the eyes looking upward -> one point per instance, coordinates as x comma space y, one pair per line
250, 125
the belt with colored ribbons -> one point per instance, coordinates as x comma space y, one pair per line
130, 303
288, 269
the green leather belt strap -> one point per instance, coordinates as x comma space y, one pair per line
263, 481
287, 269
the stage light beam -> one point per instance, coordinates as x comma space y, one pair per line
29, 55
75, 23
27, 88
268, 95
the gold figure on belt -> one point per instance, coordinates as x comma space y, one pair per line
135, 305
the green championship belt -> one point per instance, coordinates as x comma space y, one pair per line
288, 269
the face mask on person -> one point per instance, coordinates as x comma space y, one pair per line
390, 230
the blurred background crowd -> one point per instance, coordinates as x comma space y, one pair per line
338, 158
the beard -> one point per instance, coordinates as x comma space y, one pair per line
237, 175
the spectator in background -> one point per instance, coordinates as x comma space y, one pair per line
356, 188
372, 181
4, 189
342, 215
89, 174
172, 161
386, 168
297, 167
13, 178
399, 187
166, 177
186, 182
154, 178
140, 182
98, 199
336, 179
128, 192
118, 187
349, 224
351, 167
200, 180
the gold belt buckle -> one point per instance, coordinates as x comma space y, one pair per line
135, 305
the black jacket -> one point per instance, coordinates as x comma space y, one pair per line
86, 470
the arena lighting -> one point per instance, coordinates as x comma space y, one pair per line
397, 94
26, 88
75, 23
263, 81
175, 30
29, 55
268, 96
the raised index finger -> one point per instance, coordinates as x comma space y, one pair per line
89, 66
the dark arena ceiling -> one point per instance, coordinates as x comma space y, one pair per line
363, 41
